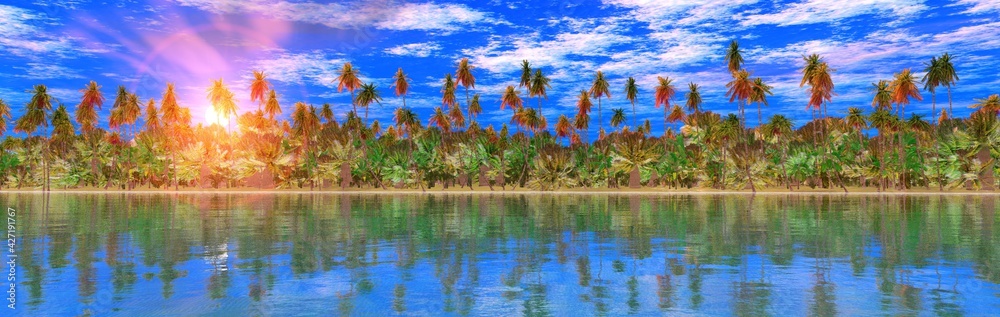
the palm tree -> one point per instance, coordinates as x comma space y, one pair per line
990, 105
222, 101
597, 90
448, 92
525, 75
131, 112
456, 117
474, 107
809, 69
740, 90
734, 58
258, 88
326, 112
904, 87
86, 115
463, 77
883, 96
347, 78
401, 85
440, 120
759, 95
4, 116
693, 98
539, 84
618, 117
305, 123
173, 116
152, 116
949, 76
563, 127
511, 99
933, 77
631, 93
662, 95
35, 116
272, 108
369, 93
582, 119
780, 128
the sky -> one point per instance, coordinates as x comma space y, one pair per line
301, 44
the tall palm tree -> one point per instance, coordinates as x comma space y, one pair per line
131, 112
582, 119
152, 116
259, 88
463, 77
305, 123
809, 69
539, 84
36, 116
525, 75
326, 112
662, 95
759, 95
618, 117
448, 92
950, 77
740, 90
631, 93
222, 101
904, 87
734, 58
693, 98
272, 108
86, 111
933, 78
401, 85
597, 90
347, 78
368, 95
173, 116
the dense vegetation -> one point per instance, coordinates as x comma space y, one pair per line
314, 149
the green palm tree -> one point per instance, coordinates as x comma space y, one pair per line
618, 118
693, 98
598, 90
758, 95
631, 93
525, 75
463, 77
780, 128
933, 78
734, 58
950, 77
539, 84
36, 116
883, 95
368, 95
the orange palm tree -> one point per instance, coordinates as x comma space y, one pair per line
4, 116
401, 85
222, 101
86, 111
272, 108
511, 99
662, 95
258, 88
347, 78
582, 119
563, 127
440, 120
740, 89
904, 87
463, 77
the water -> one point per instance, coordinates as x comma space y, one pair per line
384, 254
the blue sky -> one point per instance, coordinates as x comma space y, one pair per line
300, 44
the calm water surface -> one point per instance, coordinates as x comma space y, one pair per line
326, 254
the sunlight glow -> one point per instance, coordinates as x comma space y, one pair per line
211, 117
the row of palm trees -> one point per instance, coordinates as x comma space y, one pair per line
314, 148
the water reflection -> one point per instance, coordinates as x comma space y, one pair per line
533, 255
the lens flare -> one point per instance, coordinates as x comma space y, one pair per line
212, 117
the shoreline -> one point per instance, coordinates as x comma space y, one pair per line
520, 191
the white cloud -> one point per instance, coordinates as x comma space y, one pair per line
22, 37
381, 14
504, 54
979, 6
826, 11
39, 71
415, 49
700, 13
315, 68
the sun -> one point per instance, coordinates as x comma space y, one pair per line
211, 117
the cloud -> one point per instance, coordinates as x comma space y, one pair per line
415, 49
698, 13
380, 14
504, 54
21, 35
39, 71
827, 11
979, 6
314, 68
